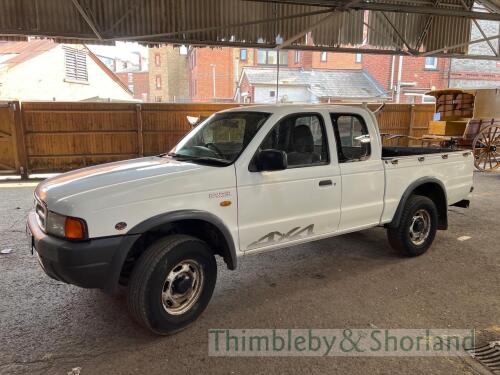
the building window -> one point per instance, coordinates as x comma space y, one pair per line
158, 99
269, 57
431, 62
243, 54
323, 56
130, 77
157, 59
297, 57
358, 58
75, 62
131, 88
272, 93
158, 82
428, 99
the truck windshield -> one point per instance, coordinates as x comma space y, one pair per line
220, 139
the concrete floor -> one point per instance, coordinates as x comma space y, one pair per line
351, 281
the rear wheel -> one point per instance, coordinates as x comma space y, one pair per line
417, 228
172, 283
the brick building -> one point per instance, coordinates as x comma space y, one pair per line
211, 74
215, 73
168, 75
407, 78
137, 82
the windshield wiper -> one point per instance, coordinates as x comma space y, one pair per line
206, 159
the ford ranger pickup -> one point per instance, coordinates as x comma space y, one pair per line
244, 181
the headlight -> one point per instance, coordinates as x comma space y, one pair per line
65, 226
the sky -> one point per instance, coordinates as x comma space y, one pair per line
122, 50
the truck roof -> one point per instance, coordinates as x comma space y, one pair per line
290, 108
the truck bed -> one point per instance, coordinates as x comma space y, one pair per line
397, 151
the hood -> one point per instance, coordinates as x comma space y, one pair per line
108, 176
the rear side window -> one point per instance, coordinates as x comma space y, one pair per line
350, 130
302, 137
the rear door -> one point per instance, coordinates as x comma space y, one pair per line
361, 169
303, 201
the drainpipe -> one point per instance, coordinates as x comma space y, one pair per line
213, 78
278, 76
450, 61
392, 72
398, 86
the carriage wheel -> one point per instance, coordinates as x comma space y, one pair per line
486, 148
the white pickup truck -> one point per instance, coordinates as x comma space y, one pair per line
246, 180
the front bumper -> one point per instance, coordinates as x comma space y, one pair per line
95, 263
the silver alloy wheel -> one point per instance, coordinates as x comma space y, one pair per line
420, 227
182, 287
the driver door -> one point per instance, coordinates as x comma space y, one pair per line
285, 206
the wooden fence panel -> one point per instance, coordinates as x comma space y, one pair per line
422, 114
165, 124
395, 119
9, 162
56, 136
65, 136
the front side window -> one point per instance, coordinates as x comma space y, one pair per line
303, 139
221, 138
352, 137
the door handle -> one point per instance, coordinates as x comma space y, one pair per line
325, 183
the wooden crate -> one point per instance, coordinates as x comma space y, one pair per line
451, 128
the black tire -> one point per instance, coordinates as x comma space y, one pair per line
148, 279
400, 238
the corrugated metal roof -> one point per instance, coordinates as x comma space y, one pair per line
232, 22
442, 32
352, 84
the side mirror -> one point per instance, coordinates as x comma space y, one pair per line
271, 160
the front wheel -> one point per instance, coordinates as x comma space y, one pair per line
172, 283
417, 228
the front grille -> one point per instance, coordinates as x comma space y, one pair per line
41, 213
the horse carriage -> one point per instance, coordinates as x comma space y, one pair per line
468, 119
463, 119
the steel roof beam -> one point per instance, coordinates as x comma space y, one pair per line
397, 8
87, 19
481, 31
431, 53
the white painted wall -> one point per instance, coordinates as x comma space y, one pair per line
43, 78
297, 94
